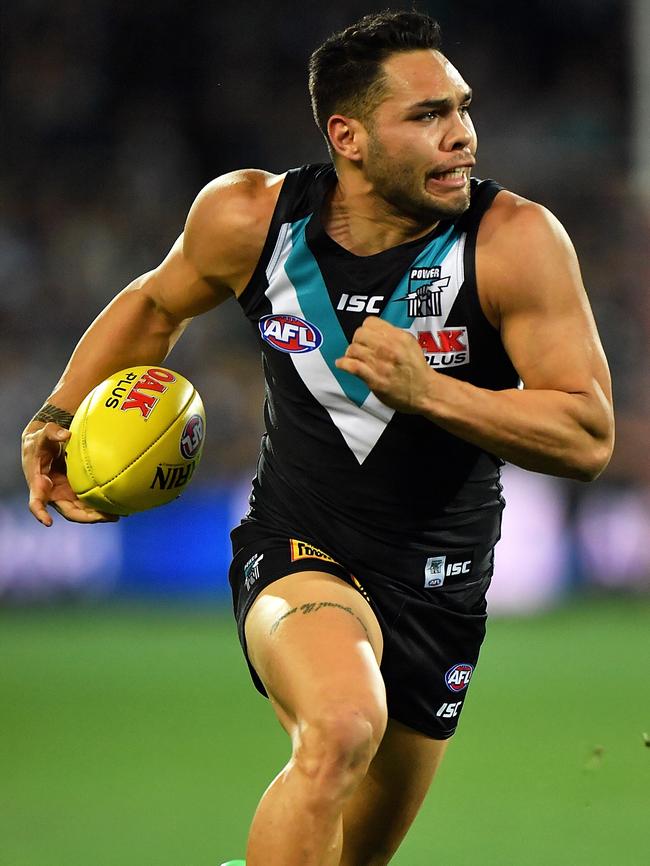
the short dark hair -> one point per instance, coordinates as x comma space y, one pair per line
345, 73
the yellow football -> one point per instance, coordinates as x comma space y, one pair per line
136, 441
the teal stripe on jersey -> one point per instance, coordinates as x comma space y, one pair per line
302, 269
433, 254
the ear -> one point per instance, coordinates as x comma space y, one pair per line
347, 137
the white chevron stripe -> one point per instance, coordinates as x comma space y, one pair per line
362, 426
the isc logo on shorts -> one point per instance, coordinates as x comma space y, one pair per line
290, 334
437, 569
302, 550
458, 677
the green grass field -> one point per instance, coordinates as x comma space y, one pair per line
133, 737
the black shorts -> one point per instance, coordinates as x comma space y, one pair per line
432, 614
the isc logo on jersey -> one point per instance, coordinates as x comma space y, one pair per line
448, 347
458, 677
290, 334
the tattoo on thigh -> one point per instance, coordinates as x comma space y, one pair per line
313, 607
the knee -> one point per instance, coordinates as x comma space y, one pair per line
334, 747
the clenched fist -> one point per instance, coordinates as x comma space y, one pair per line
391, 363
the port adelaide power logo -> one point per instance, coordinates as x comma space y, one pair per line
424, 297
442, 347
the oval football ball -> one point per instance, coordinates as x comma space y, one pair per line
136, 441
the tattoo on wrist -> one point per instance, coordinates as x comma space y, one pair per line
48, 412
312, 607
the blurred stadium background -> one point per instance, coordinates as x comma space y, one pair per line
128, 730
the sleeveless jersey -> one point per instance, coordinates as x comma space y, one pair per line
335, 460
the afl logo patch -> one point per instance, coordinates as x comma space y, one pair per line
458, 677
290, 334
192, 437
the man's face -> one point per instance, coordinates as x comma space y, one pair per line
421, 141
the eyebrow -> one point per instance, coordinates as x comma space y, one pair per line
442, 104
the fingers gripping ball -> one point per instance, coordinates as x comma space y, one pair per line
136, 441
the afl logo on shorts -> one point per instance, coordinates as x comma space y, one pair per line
290, 334
192, 437
458, 677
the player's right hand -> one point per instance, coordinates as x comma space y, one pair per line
43, 447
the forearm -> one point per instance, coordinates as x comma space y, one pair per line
131, 330
546, 431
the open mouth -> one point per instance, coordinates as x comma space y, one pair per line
454, 178
453, 172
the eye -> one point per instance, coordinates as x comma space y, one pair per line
464, 109
428, 115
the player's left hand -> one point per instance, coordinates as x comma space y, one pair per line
390, 362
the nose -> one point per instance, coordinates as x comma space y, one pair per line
460, 133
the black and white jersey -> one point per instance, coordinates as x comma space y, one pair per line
333, 456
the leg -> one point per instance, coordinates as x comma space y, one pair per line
316, 645
381, 810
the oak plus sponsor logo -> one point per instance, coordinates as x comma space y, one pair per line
192, 437
425, 288
145, 393
119, 390
290, 334
303, 550
457, 677
252, 570
446, 347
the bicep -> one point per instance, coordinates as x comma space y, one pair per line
177, 288
547, 326
220, 246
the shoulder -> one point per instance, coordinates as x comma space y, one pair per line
513, 217
523, 254
228, 222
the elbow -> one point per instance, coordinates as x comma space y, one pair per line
596, 452
593, 461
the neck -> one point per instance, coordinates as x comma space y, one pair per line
364, 223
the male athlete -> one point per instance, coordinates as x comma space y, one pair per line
400, 307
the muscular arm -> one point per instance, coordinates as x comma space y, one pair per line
561, 422
211, 261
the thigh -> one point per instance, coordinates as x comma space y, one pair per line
315, 643
383, 808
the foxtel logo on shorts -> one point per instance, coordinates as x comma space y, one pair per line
302, 550
448, 347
